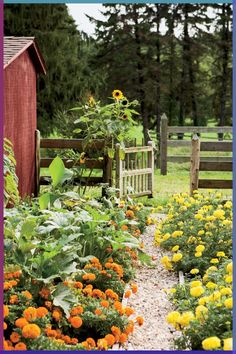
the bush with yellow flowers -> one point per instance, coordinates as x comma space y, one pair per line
197, 230
204, 310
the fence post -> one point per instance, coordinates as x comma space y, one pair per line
163, 144
119, 178
151, 165
195, 161
108, 170
37, 162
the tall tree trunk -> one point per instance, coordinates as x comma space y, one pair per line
193, 96
225, 59
140, 77
171, 68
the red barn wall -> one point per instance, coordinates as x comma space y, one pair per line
20, 118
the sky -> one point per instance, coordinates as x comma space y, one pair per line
78, 11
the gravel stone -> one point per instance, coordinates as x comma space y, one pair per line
151, 301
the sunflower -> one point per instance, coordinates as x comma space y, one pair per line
117, 94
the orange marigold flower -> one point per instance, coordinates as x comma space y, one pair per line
74, 341
77, 311
94, 260
44, 293
15, 337
102, 344
5, 345
111, 294
56, 314
14, 299
4, 326
6, 285
67, 339
129, 214
97, 293
129, 311
13, 283
127, 294
104, 303
20, 346
110, 339
31, 331
130, 328
51, 332
91, 343
21, 322
123, 338
124, 228
30, 314
27, 294
78, 285
5, 311
76, 322
108, 265
139, 320
85, 344
134, 288
116, 330
42, 312
89, 276
87, 291
98, 312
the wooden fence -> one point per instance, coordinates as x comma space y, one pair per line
135, 174
165, 142
101, 162
197, 165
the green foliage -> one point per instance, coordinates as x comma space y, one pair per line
11, 194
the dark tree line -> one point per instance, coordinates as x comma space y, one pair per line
175, 59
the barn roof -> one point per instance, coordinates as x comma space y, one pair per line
15, 46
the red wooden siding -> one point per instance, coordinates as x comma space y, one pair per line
20, 118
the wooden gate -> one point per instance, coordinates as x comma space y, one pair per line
135, 173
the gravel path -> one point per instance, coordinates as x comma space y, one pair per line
151, 301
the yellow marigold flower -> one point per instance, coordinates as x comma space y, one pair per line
177, 233
31, 331
186, 318
229, 303
198, 254
201, 232
212, 269
216, 295
220, 254
211, 343
219, 214
177, 257
229, 267
117, 94
175, 248
228, 278
194, 271
228, 344
173, 317
203, 300
200, 248
226, 291
214, 260
198, 216
195, 283
201, 312
197, 291
211, 285
102, 344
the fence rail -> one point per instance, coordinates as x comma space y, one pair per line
135, 174
103, 162
165, 142
197, 165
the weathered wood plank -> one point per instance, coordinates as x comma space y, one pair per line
217, 146
137, 149
144, 171
215, 166
37, 163
192, 129
163, 144
178, 143
71, 144
195, 160
215, 183
89, 181
179, 158
89, 163
119, 178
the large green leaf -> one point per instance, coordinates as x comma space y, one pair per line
57, 171
64, 298
28, 227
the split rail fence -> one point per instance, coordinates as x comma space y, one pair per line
197, 165
165, 142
